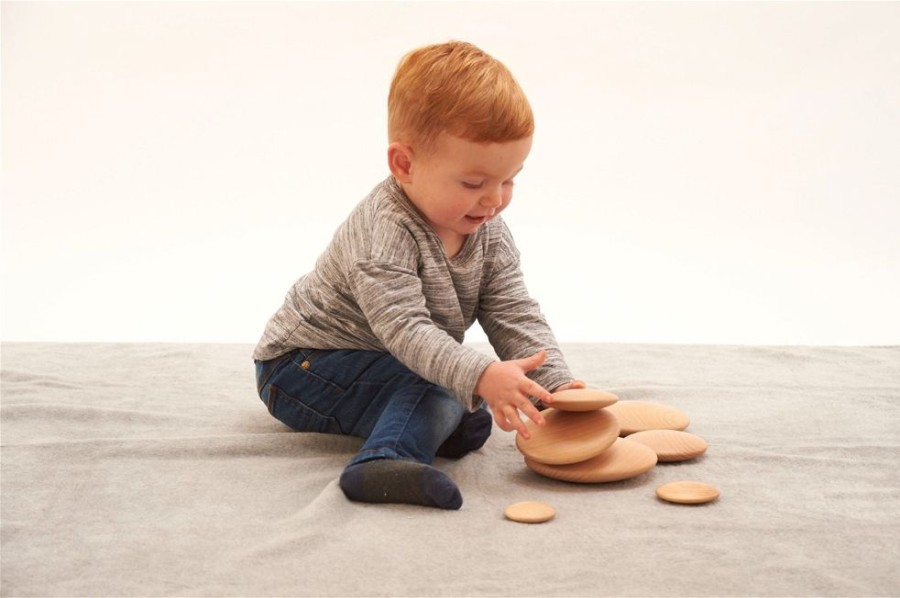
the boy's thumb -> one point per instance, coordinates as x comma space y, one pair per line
534, 361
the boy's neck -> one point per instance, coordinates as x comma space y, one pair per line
452, 242
452, 247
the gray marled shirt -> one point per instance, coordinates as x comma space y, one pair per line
385, 284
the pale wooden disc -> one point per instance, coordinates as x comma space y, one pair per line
569, 437
688, 493
623, 460
637, 416
529, 511
582, 399
671, 445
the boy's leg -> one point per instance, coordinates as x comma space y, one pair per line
393, 464
471, 434
403, 418
415, 419
366, 394
389, 480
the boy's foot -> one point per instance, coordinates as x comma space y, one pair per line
471, 434
396, 481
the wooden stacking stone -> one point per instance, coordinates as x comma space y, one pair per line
671, 445
688, 493
530, 511
582, 399
637, 416
569, 437
623, 460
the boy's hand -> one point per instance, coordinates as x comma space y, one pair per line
567, 386
506, 389
571, 385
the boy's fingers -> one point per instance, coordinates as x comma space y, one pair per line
503, 423
571, 385
533, 389
532, 412
533, 362
535, 416
512, 416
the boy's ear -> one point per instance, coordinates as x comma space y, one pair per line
400, 157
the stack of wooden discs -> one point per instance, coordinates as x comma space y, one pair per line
591, 437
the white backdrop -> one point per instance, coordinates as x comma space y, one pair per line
702, 173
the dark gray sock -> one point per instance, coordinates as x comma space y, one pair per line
471, 434
397, 481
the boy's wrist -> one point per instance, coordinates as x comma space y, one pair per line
480, 383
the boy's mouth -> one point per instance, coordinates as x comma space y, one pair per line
476, 219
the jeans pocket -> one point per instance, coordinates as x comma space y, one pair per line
324, 366
298, 416
265, 370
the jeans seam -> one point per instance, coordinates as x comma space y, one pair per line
299, 405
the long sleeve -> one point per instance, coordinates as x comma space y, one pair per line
513, 321
394, 305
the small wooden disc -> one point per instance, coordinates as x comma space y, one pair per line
623, 460
569, 437
530, 511
687, 493
671, 445
582, 399
637, 416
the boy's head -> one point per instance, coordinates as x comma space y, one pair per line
455, 88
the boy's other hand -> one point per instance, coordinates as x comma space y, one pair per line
574, 384
506, 388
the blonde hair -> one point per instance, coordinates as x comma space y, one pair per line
459, 89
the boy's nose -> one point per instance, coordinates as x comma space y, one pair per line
493, 199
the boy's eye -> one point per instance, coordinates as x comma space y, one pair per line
471, 185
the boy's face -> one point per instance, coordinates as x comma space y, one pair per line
461, 184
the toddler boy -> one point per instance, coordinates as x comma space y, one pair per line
369, 343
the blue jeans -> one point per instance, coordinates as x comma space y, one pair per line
367, 394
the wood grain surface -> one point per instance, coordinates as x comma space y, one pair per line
637, 416
582, 399
688, 493
623, 460
671, 445
569, 437
530, 511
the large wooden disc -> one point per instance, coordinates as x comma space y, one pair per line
623, 460
582, 399
671, 445
569, 437
637, 416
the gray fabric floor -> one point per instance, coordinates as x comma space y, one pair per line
154, 470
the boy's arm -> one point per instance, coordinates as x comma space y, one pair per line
393, 302
514, 324
516, 328
394, 305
